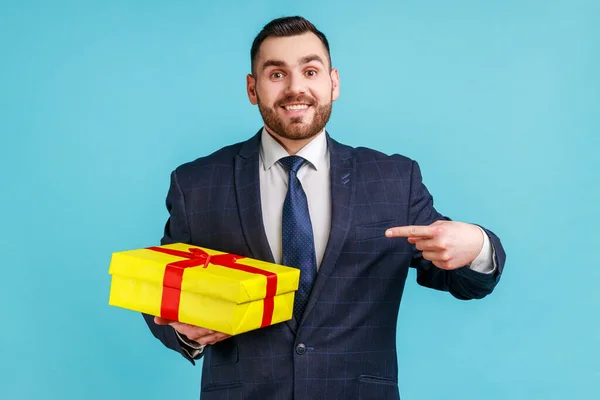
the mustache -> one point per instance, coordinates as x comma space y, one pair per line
296, 99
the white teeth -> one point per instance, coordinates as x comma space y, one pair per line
296, 107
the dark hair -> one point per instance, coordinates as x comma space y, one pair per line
283, 27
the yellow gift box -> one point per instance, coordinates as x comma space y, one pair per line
215, 290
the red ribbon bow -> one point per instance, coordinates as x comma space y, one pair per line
169, 305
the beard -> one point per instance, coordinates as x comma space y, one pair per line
296, 129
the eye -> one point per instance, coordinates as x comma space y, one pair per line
276, 75
311, 73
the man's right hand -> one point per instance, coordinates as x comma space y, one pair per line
199, 335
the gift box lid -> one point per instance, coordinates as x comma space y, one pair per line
228, 281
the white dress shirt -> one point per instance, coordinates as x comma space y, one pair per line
315, 179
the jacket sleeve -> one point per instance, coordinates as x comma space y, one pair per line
463, 283
176, 231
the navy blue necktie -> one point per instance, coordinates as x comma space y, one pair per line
298, 245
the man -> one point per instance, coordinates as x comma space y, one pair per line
353, 220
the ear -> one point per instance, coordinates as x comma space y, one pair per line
335, 81
251, 89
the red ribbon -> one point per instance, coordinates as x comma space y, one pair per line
169, 305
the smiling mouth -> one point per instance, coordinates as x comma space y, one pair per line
295, 107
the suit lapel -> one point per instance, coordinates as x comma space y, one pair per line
247, 190
343, 183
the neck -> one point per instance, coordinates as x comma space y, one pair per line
292, 146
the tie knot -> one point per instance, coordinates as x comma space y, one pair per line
292, 163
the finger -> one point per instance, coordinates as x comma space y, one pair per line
194, 332
162, 321
218, 337
447, 265
426, 245
411, 231
189, 330
211, 339
437, 256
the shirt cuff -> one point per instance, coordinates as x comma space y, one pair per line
485, 262
192, 349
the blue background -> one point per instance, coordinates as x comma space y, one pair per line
498, 101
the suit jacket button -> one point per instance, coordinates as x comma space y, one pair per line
301, 349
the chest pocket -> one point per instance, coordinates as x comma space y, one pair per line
374, 231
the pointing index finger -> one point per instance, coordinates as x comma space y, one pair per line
411, 231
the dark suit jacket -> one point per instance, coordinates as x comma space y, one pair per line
345, 345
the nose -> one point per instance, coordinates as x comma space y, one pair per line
296, 83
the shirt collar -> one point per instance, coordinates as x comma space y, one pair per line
315, 152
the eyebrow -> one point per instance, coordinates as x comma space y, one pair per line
273, 63
302, 61
310, 58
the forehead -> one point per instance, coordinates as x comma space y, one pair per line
291, 48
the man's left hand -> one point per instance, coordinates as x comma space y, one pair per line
447, 244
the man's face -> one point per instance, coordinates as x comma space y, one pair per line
293, 86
